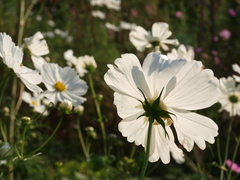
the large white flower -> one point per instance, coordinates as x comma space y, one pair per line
63, 83
35, 102
230, 96
158, 37
12, 56
37, 47
185, 87
182, 52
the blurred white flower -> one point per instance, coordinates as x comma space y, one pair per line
49, 34
39, 18
236, 68
112, 27
113, 4
126, 25
35, 102
182, 53
230, 96
63, 83
61, 33
12, 56
99, 14
51, 23
97, 2
181, 85
157, 38
37, 47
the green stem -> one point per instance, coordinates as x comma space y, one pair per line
145, 163
49, 138
198, 164
100, 119
133, 150
227, 147
23, 141
3, 86
3, 130
234, 156
86, 154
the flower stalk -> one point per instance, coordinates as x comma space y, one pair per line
99, 113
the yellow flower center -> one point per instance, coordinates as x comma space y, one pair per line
60, 86
34, 103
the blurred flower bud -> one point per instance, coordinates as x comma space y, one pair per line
112, 137
6, 111
91, 132
79, 109
99, 97
4, 149
66, 106
25, 120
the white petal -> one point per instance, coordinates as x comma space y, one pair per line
192, 127
127, 77
194, 88
38, 61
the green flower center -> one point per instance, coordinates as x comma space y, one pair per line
233, 99
60, 86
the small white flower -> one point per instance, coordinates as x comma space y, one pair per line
51, 23
37, 47
35, 102
79, 109
113, 4
182, 53
97, 2
230, 96
184, 86
112, 27
99, 14
63, 83
12, 56
126, 25
82, 64
158, 37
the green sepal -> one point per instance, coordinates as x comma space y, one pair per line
160, 121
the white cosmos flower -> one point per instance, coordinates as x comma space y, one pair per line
83, 64
63, 83
112, 27
182, 52
230, 96
236, 68
35, 102
185, 87
113, 4
126, 25
158, 37
98, 14
37, 47
12, 56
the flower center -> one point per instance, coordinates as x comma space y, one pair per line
162, 105
233, 99
34, 103
60, 86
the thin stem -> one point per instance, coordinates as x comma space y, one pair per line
21, 22
100, 119
3, 130
133, 150
86, 154
29, 9
198, 164
234, 156
227, 146
23, 140
145, 163
3, 84
49, 138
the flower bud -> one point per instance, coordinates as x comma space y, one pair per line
66, 106
6, 111
25, 120
79, 109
